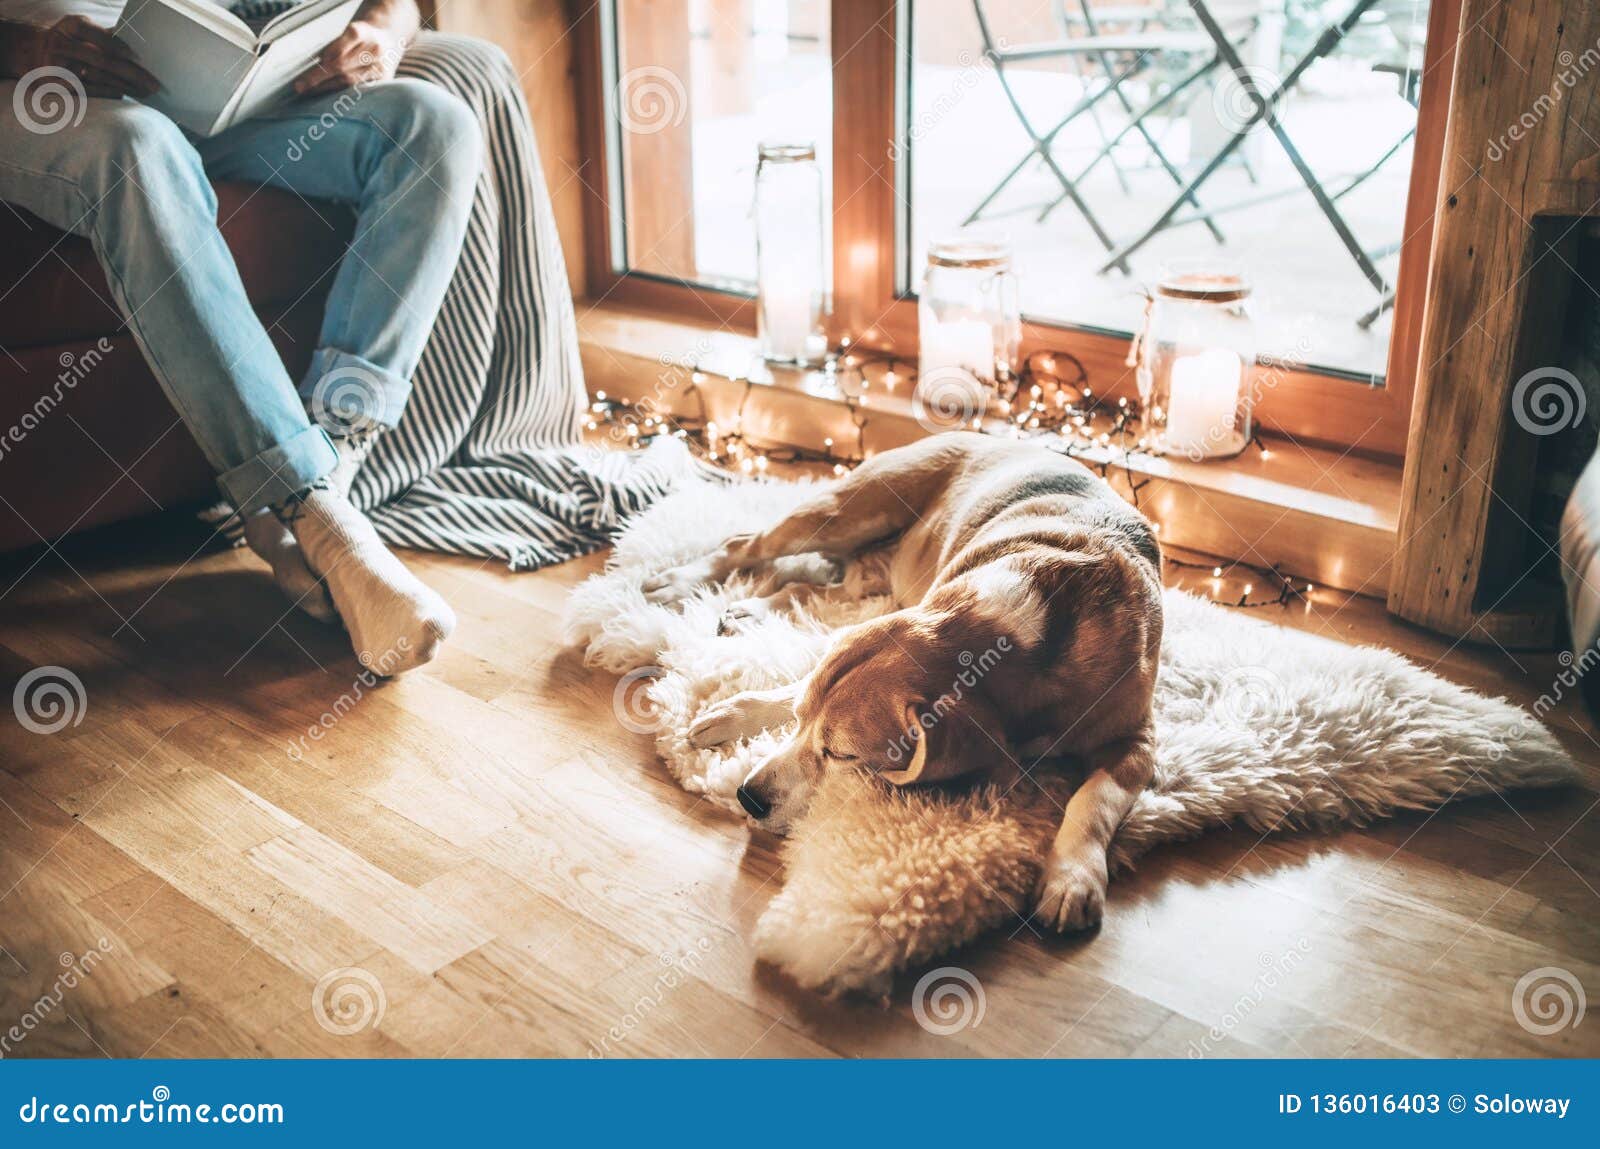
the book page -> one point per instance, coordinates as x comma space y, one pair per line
200, 65
285, 56
210, 14
300, 14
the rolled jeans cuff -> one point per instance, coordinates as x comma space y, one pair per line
344, 392
279, 472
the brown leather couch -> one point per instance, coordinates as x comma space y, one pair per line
86, 435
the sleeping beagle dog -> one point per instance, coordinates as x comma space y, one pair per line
1027, 628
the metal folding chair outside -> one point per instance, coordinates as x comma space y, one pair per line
1137, 118
1102, 48
1266, 111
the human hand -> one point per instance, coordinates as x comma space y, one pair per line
365, 53
102, 62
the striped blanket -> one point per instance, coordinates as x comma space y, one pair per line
487, 459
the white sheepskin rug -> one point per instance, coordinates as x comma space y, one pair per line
1256, 725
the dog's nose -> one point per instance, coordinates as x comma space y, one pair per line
752, 804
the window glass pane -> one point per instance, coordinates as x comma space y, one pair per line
1130, 106
696, 86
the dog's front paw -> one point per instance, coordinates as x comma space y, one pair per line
721, 723
677, 583
742, 615
1071, 894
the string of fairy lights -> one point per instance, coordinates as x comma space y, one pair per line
1050, 400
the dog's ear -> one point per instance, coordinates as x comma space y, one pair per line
947, 740
914, 737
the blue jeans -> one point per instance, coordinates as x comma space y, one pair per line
404, 154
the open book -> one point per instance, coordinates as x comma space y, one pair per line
215, 70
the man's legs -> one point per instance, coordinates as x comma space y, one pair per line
128, 179
406, 155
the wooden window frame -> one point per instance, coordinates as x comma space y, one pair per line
866, 49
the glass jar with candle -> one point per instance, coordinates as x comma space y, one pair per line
1197, 361
969, 324
789, 270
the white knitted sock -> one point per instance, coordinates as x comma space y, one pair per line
272, 541
395, 622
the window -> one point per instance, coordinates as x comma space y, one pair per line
694, 87
916, 103
1129, 125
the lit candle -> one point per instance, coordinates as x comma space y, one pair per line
965, 343
787, 320
1204, 401
955, 358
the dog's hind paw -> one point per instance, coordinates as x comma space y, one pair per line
1071, 895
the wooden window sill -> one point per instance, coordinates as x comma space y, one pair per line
1314, 513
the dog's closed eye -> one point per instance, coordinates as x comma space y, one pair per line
837, 757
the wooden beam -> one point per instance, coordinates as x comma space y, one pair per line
1521, 130
864, 59
1411, 280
